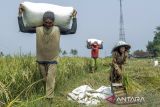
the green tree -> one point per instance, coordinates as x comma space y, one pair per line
153, 47
60, 51
74, 52
1, 54
64, 52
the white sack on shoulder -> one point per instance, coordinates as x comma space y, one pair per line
33, 14
95, 40
91, 41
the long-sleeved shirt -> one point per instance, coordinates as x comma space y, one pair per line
63, 31
118, 60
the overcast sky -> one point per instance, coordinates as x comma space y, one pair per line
96, 19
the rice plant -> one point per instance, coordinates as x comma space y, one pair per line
21, 83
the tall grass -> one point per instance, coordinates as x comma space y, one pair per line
21, 83
16, 73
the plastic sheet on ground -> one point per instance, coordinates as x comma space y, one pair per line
88, 96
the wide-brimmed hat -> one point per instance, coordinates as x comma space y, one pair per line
121, 44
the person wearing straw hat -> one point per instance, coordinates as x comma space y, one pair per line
47, 46
119, 55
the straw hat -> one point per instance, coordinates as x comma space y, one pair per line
121, 44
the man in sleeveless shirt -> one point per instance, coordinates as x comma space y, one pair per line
47, 46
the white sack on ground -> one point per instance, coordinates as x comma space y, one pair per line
33, 14
86, 95
156, 63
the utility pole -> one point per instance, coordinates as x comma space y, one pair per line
122, 32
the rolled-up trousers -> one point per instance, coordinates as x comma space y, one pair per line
48, 72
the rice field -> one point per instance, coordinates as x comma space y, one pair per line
21, 82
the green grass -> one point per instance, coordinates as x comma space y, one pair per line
21, 84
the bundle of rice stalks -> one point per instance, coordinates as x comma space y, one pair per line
132, 87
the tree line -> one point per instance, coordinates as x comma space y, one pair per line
153, 47
73, 52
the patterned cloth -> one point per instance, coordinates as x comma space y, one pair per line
116, 66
